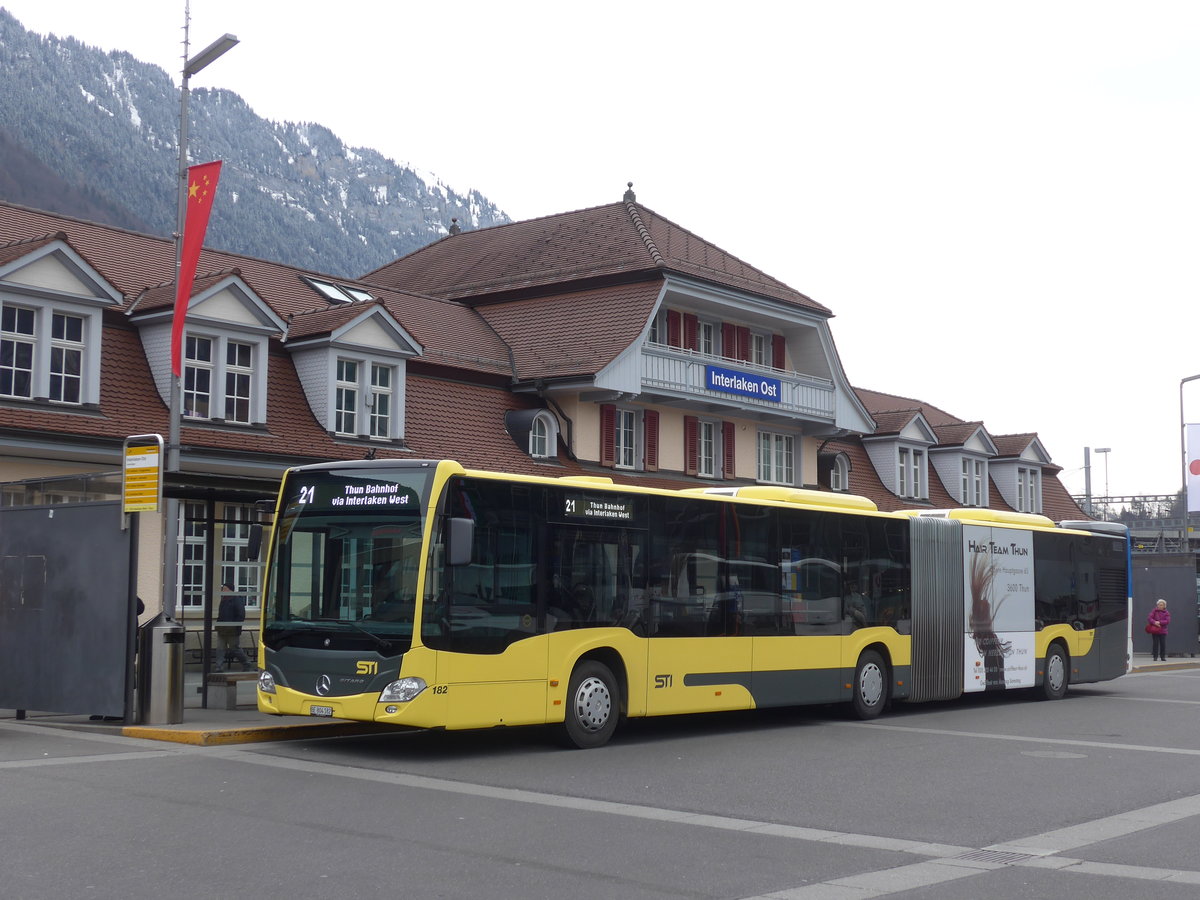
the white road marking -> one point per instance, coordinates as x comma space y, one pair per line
941, 862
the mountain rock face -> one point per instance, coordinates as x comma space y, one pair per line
95, 135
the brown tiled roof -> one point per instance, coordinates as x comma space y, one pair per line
863, 479
865, 482
878, 402
618, 241
162, 296
1057, 502
1013, 444
893, 421
956, 435
18, 248
592, 328
142, 268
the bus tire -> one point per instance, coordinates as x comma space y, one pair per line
871, 683
1056, 673
593, 706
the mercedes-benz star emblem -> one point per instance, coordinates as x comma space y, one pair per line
323, 685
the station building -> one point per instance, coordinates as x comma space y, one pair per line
604, 341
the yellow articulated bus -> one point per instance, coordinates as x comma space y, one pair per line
423, 594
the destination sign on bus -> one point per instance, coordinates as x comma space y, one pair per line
580, 506
329, 493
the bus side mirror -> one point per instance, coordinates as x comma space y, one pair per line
460, 538
254, 542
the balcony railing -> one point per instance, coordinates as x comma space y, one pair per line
683, 373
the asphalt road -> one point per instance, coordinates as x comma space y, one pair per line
1094, 796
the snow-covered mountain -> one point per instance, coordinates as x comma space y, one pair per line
94, 134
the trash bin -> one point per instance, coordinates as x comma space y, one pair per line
160, 679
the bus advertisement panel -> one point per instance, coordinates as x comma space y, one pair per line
998, 592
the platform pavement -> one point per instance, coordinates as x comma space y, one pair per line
245, 725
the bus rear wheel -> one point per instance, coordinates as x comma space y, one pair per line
593, 706
1055, 674
870, 685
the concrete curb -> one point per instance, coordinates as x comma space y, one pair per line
250, 734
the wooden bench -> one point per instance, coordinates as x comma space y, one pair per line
229, 681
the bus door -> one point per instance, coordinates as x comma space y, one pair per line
490, 664
700, 657
803, 664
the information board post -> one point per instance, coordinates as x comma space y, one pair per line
161, 663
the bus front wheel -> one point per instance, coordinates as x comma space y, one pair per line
870, 685
593, 706
1055, 674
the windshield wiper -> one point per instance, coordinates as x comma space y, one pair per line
382, 643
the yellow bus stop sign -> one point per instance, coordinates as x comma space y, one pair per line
142, 473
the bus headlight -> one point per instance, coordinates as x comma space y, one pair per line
266, 682
402, 691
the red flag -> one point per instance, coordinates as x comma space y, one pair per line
202, 187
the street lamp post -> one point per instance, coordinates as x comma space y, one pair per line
191, 66
1105, 451
166, 690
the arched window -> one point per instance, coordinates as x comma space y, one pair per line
543, 436
538, 437
839, 475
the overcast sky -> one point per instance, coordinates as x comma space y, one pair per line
998, 201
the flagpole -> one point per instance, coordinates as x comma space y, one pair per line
175, 401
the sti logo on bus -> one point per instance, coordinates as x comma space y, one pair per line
366, 667
663, 681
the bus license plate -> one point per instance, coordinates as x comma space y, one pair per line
320, 710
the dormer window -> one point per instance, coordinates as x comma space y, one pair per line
17, 345
221, 380
66, 358
379, 403
363, 398
535, 431
911, 479
543, 436
44, 354
1029, 489
974, 481
839, 474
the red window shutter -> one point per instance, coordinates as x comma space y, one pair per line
691, 447
690, 327
728, 341
674, 328
728, 438
777, 351
650, 425
608, 434
743, 343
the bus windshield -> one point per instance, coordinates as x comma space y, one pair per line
345, 559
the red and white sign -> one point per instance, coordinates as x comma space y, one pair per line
1193, 468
